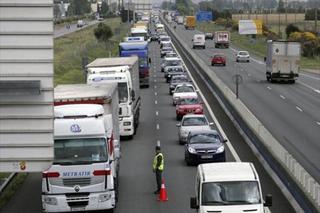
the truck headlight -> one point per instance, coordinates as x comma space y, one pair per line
184, 133
191, 150
128, 123
176, 98
50, 200
220, 149
104, 197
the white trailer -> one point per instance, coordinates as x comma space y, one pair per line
81, 177
283, 61
222, 39
180, 20
108, 70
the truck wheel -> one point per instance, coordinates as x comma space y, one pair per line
204, 47
293, 81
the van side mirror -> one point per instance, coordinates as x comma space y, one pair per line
133, 94
211, 124
117, 153
178, 125
268, 200
193, 203
225, 140
149, 60
192, 40
265, 59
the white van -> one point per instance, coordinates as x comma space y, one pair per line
228, 187
199, 40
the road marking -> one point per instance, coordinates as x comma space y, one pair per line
155, 80
154, 76
318, 123
158, 126
282, 97
158, 143
231, 148
309, 76
318, 91
157, 113
314, 89
155, 86
298, 108
155, 102
269, 88
155, 93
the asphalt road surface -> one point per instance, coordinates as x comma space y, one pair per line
137, 182
62, 30
291, 112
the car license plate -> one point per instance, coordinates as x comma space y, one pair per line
75, 209
206, 156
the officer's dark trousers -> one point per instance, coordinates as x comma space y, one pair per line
159, 179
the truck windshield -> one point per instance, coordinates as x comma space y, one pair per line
123, 92
80, 151
230, 193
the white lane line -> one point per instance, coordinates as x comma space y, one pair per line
154, 76
282, 97
158, 143
318, 123
231, 148
309, 76
155, 80
155, 102
158, 126
309, 87
155, 93
157, 113
298, 108
155, 86
269, 88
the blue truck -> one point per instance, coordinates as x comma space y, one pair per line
139, 49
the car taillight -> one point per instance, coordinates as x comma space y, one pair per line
101, 172
50, 174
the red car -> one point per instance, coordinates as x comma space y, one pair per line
218, 59
188, 105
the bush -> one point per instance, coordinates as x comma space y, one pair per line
291, 28
309, 42
103, 33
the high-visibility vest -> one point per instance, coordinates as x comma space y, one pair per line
155, 160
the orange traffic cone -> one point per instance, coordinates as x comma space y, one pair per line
163, 193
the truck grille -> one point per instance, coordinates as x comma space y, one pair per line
77, 199
76, 181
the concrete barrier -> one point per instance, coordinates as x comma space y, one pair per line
302, 178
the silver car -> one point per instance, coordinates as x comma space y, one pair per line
191, 122
243, 56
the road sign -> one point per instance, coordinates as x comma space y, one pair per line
204, 16
249, 27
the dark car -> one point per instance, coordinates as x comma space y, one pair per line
218, 59
153, 37
165, 50
170, 71
175, 80
204, 146
208, 36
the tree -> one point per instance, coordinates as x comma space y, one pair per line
291, 28
79, 7
103, 33
104, 9
281, 6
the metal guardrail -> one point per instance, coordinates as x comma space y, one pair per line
6, 182
301, 178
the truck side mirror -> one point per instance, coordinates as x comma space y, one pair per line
193, 203
149, 60
117, 153
133, 94
178, 125
268, 200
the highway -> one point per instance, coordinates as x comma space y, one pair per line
289, 111
137, 182
62, 30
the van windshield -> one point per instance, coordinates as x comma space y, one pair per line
80, 151
230, 193
123, 92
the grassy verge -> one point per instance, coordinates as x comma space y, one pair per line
12, 188
257, 46
70, 50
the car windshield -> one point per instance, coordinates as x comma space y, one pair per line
173, 63
179, 79
166, 49
243, 53
176, 69
205, 138
230, 193
165, 39
188, 101
184, 89
218, 56
80, 151
123, 92
194, 121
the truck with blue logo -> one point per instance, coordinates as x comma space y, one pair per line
139, 49
84, 174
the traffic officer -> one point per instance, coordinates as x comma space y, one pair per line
158, 164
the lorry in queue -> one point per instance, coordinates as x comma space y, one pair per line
81, 178
190, 22
199, 40
139, 49
179, 20
222, 39
218, 189
125, 72
139, 32
283, 61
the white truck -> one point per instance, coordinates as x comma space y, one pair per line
218, 189
283, 61
81, 178
199, 40
222, 39
180, 20
125, 72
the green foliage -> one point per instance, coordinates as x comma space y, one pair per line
291, 28
79, 7
184, 7
280, 8
103, 33
168, 5
310, 14
104, 9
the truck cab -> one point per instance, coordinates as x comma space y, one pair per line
218, 189
81, 176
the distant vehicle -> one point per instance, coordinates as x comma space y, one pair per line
183, 90
230, 187
139, 32
179, 20
204, 146
165, 50
164, 40
209, 36
80, 23
283, 61
188, 105
243, 56
176, 80
218, 59
159, 27
190, 22
171, 54
170, 62
199, 41
170, 71
153, 37
222, 39
192, 122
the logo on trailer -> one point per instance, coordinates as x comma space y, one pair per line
75, 128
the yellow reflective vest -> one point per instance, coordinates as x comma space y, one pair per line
155, 161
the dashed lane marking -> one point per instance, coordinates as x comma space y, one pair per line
298, 108
155, 102
155, 93
269, 88
318, 123
158, 143
157, 113
158, 127
282, 97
